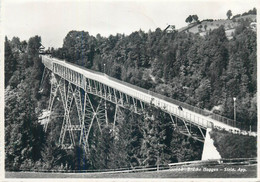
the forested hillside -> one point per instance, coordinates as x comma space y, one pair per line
145, 140
24, 137
206, 72
242, 146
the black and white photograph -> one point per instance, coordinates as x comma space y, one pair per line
113, 89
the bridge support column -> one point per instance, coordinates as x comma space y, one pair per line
89, 116
66, 125
101, 114
86, 114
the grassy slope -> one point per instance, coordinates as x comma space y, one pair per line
234, 146
228, 24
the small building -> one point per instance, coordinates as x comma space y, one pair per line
169, 29
253, 26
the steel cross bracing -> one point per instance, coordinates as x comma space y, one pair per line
87, 114
111, 94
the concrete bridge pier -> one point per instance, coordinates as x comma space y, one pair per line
209, 150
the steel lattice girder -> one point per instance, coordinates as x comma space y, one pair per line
86, 112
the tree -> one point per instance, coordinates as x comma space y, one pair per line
154, 148
200, 27
24, 135
10, 62
254, 11
100, 146
195, 18
53, 157
16, 44
189, 19
34, 44
229, 14
205, 27
116, 71
192, 18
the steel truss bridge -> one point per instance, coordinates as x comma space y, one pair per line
74, 84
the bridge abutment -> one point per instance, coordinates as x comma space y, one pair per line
209, 150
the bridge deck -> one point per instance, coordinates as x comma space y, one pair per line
190, 113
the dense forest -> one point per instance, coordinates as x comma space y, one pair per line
206, 72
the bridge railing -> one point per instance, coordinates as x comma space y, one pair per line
47, 62
197, 110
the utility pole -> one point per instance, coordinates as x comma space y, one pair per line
158, 157
104, 68
234, 98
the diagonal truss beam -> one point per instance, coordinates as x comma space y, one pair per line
87, 114
182, 126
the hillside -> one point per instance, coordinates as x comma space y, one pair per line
204, 72
234, 146
205, 26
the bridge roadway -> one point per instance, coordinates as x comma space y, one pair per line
81, 77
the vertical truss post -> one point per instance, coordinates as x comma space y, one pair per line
100, 89
87, 121
109, 94
95, 86
77, 97
62, 89
105, 91
127, 100
80, 109
66, 125
135, 104
121, 100
142, 105
101, 114
115, 96
173, 121
82, 130
90, 88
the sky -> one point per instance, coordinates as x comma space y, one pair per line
53, 19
